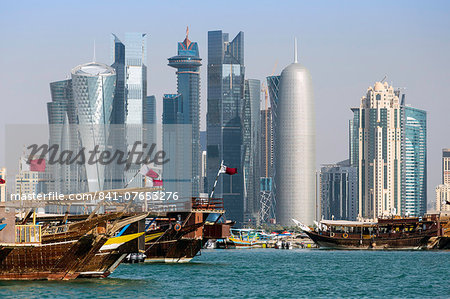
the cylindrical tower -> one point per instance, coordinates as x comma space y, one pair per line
295, 147
93, 87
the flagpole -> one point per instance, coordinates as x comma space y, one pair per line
131, 179
215, 182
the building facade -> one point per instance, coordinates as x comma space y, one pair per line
375, 150
187, 63
443, 198
414, 161
251, 141
93, 86
338, 191
446, 166
226, 73
129, 60
295, 147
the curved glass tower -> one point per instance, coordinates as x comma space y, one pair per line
295, 146
93, 87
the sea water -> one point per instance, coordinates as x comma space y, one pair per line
249, 273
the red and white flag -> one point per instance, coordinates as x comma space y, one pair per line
228, 170
34, 165
2, 181
154, 174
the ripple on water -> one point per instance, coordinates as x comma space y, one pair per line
264, 273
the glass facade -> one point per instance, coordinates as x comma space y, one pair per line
63, 132
130, 110
93, 86
251, 134
224, 118
338, 191
187, 110
414, 147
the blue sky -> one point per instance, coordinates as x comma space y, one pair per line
346, 45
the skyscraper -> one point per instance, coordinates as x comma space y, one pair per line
446, 166
129, 60
63, 132
414, 161
338, 191
295, 146
224, 118
251, 139
375, 150
188, 63
93, 86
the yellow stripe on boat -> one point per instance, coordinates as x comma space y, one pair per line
152, 236
123, 239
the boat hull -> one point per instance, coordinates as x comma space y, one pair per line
399, 243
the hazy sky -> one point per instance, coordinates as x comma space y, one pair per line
346, 45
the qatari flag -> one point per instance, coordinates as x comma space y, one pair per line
228, 170
2, 181
157, 183
151, 173
37, 165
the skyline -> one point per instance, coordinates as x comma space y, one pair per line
412, 49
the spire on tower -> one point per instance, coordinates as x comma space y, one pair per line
295, 50
93, 59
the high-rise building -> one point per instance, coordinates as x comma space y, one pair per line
224, 118
446, 166
295, 147
414, 161
338, 191
375, 150
63, 132
93, 86
177, 174
130, 107
3, 186
251, 139
443, 198
188, 63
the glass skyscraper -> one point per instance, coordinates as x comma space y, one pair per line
129, 59
251, 139
224, 118
187, 109
414, 174
338, 191
93, 86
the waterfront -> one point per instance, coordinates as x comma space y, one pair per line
264, 273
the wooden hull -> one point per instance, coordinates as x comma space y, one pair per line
393, 242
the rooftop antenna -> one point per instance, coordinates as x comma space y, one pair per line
93, 60
295, 50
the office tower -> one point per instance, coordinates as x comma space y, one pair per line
266, 188
446, 166
177, 174
251, 135
224, 118
63, 132
188, 62
375, 150
414, 161
93, 87
129, 60
338, 191
443, 198
3, 184
295, 146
